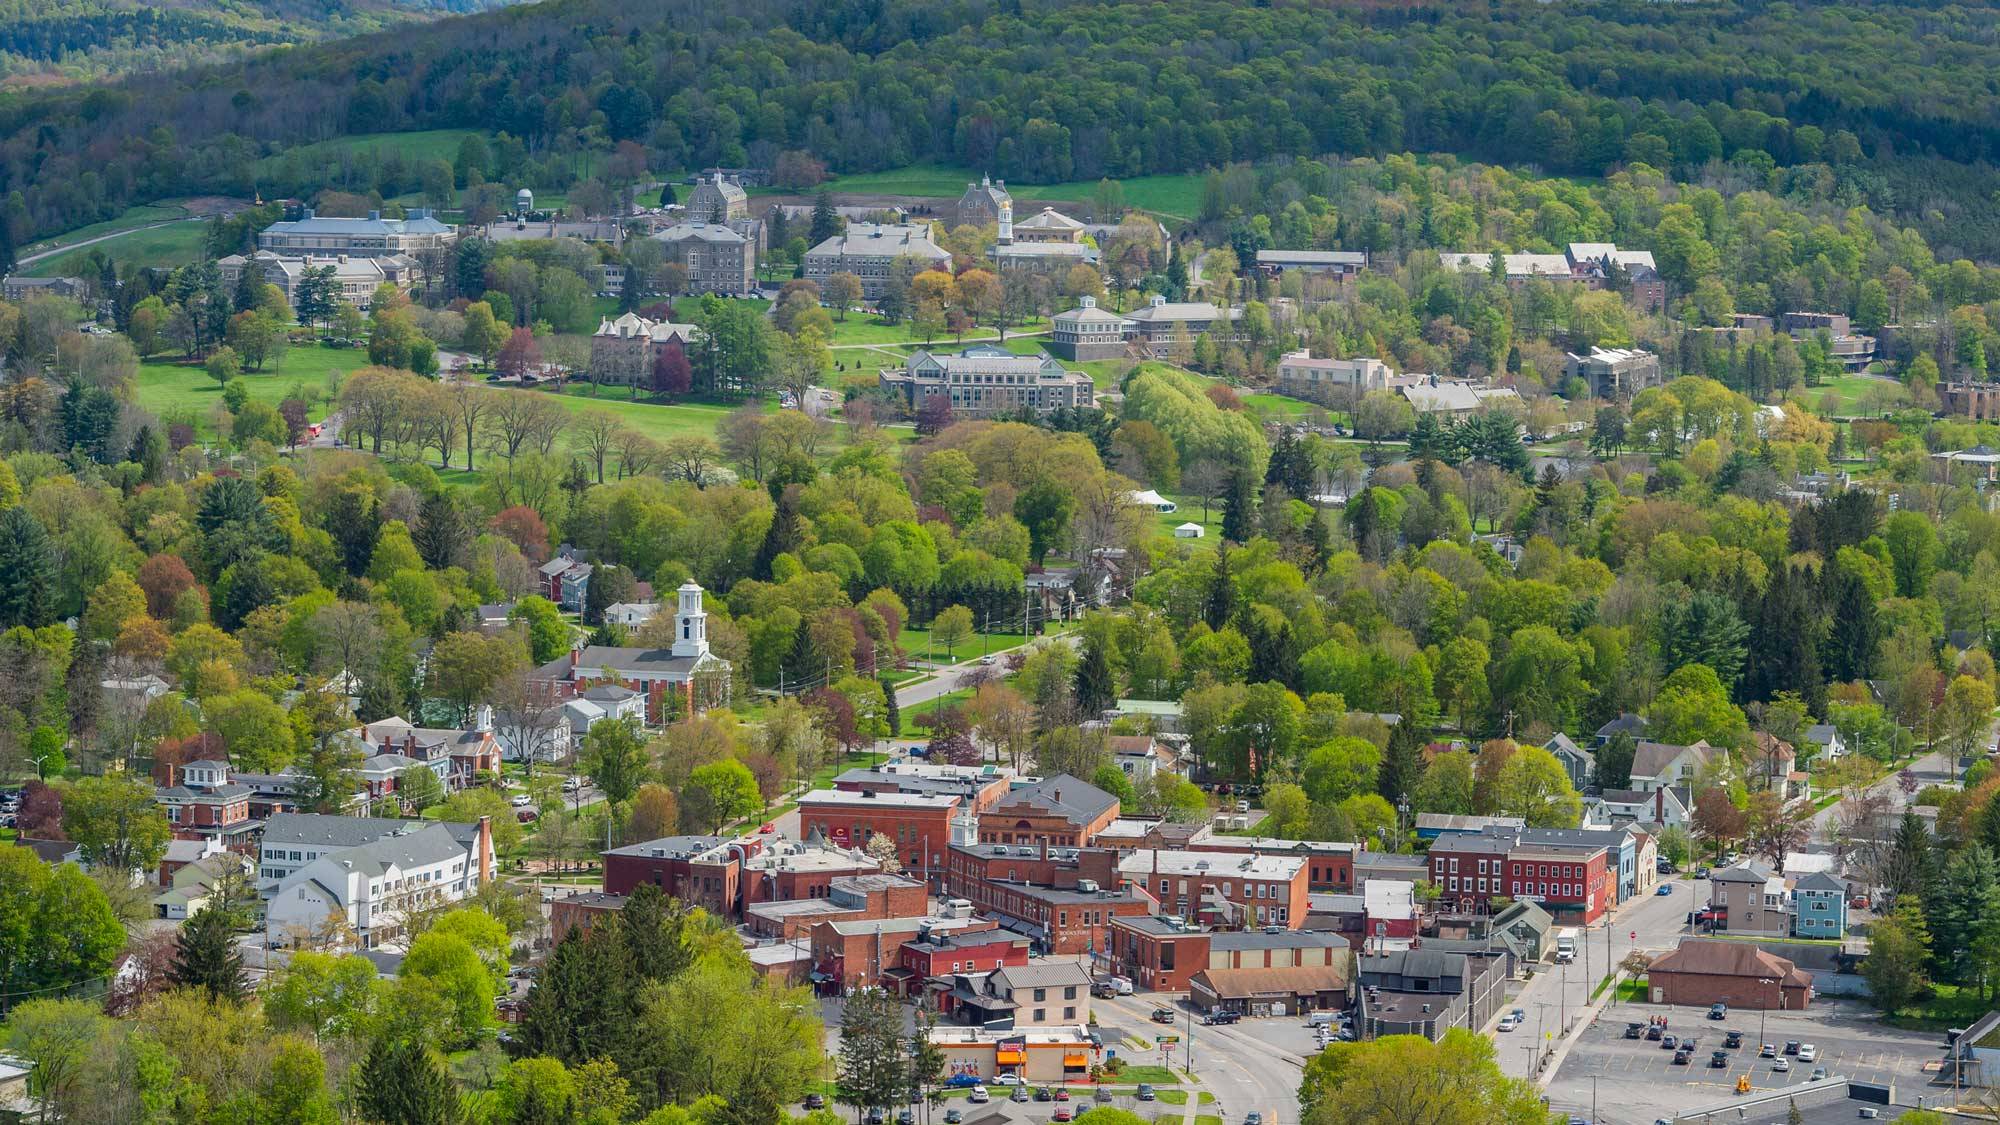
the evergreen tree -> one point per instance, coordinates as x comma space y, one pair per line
1783, 650
582, 1004
892, 713
784, 535
1177, 274
1221, 602
825, 220
1853, 630
206, 957
442, 532
1096, 687
1956, 915
247, 283
1911, 863
403, 1083
27, 570
1290, 467
1239, 509
872, 1071
1431, 441
1614, 761
1319, 536
1402, 763
656, 934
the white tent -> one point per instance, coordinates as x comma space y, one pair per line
1153, 500
1188, 530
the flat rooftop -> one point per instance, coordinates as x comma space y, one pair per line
1210, 865
845, 799
1060, 1036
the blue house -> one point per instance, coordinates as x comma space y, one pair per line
1819, 907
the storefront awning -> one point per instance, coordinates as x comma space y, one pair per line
1010, 1056
1076, 1061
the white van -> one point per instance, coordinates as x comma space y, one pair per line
1321, 1019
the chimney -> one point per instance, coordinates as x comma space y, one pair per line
484, 846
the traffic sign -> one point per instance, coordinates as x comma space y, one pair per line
1170, 1038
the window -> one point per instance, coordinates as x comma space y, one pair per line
1069, 993
1041, 994
1041, 1015
1069, 1013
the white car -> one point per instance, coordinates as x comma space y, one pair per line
1808, 1053
979, 1096
1242, 806
521, 800
1010, 1080
1508, 1023
1782, 1066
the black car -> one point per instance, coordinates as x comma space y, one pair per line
1655, 1031
1042, 1094
1635, 1030
1681, 1057
1718, 1059
815, 1101
875, 1116
1214, 1018
1733, 1040
1791, 1046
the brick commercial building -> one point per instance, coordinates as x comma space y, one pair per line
939, 955
581, 911
1163, 955
920, 823
1428, 992
977, 787
1230, 889
1329, 863
1275, 991
866, 952
971, 864
1062, 921
1576, 882
1707, 971
698, 870
1061, 811
796, 869
848, 898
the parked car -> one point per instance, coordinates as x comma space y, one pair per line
1733, 1040
521, 800
1220, 1017
1010, 1080
1718, 1011
1042, 1094
1020, 1094
1782, 1065
1635, 1030
905, 1117
1655, 1031
1858, 902
1062, 1113
527, 816
1146, 1093
815, 1101
1163, 1015
979, 1096
1682, 1056
1701, 872
962, 1081
1791, 1046
1062, 1095
1668, 1042
1718, 1059
1253, 1118
1242, 806
1808, 1053
1818, 1073
1663, 890
769, 827
1103, 989
1768, 1051
875, 1116
953, 1116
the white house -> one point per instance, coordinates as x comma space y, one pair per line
631, 615
1663, 806
373, 887
1825, 741
605, 701
194, 884
1151, 499
1659, 764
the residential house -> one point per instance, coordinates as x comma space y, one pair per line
457, 757
372, 237
1580, 764
1626, 723
1824, 740
1656, 765
1667, 806
1525, 929
1045, 993
1755, 899
1819, 906
985, 381
193, 885
293, 841
372, 889
595, 704
1705, 971
1141, 756
868, 250
630, 615
207, 803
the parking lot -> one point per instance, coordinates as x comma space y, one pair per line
1638, 1081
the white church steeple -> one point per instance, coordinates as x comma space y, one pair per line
690, 623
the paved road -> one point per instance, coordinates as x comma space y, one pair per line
31, 259
1240, 1064
1929, 769
1559, 994
945, 680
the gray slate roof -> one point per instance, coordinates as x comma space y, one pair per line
1071, 798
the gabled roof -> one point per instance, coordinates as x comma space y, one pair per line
1559, 743
1747, 872
1721, 957
1242, 984
1820, 881
1072, 798
1651, 759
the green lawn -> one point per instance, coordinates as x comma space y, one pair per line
1150, 1075
860, 329
917, 717
1175, 197
1277, 406
1847, 388
165, 385
659, 421
1190, 512
433, 144
173, 245
917, 642
1106, 373
138, 216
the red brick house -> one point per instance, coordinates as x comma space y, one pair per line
1714, 970
697, 870
1162, 955
206, 803
867, 952
942, 954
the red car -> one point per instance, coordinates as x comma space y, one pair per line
526, 816
1062, 1113
1062, 1095
770, 826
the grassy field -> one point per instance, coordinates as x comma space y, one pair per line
174, 245
1277, 406
918, 643
136, 217
859, 330
659, 421
433, 144
165, 385
1847, 388
1174, 197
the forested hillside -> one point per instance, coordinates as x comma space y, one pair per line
1892, 99
43, 41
